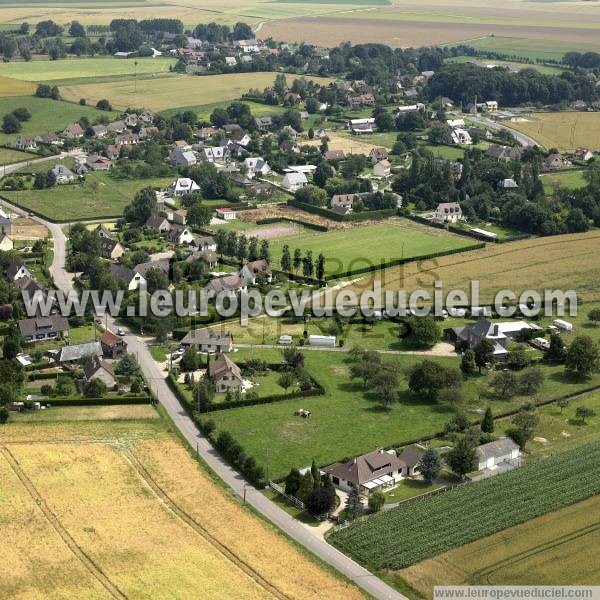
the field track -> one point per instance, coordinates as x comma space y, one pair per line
484, 576
186, 518
37, 498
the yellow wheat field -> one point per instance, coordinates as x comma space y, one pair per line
565, 131
559, 262
15, 87
100, 509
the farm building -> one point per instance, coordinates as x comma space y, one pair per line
495, 453
74, 352
113, 346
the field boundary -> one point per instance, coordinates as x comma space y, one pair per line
79, 553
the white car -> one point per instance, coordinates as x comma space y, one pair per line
457, 312
120, 332
179, 352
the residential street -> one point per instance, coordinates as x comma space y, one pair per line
156, 379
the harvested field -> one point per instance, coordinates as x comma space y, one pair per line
329, 31
563, 262
181, 90
15, 87
348, 143
267, 233
557, 547
146, 527
24, 228
563, 130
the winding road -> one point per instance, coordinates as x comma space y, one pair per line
156, 379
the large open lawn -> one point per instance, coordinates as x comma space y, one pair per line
95, 509
563, 179
182, 90
76, 68
101, 195
560, 262
557, 548
205, 110
363, 246
47, 115
348, 420
563, 130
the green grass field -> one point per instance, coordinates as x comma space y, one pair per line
182, 90
527, 48
101, 195
76, 68
8, 156
348, 420
47, 115
506, 63
564, 179
369, 245
204, 110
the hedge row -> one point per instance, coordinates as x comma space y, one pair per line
402, 261
316, 390
306, 224
53, 375
112, 401
353, 216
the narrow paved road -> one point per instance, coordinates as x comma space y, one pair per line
523, 139
156, 379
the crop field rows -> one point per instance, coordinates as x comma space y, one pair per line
558, 546
400, 537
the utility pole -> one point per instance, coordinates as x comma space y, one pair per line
244, 491
135, 63
267, 465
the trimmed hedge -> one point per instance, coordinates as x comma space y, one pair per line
306, 224
353, 216
316, 390
112, 401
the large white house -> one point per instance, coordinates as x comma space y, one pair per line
448, 212
495, 453
256, 166
294, 181
183, 186
462, 136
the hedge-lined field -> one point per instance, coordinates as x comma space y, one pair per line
418, 530
361, 247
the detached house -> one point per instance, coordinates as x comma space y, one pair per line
553, 162
230, 285
294, 181
448, 212
494, 454
111, 249
257, 166
461, 136
209, 340
73, 131
130, 279
98, 163
38, 329
344, 201
252, 270
205, 244
179, 235
98, 368
26, 142
373, 471
382, 169
62, 174
157, 224
378, 154
112, 345
225, 374
183, 158
183, 186
16, 270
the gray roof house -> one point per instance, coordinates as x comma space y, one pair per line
253, 269
209, 340
504, 450
97, 368
225, 374
75, 352
229, 285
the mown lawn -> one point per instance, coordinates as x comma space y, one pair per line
100, 195
8, 156
565, 179
369, 245
348, 420
49, 70
205, 110
47, 115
